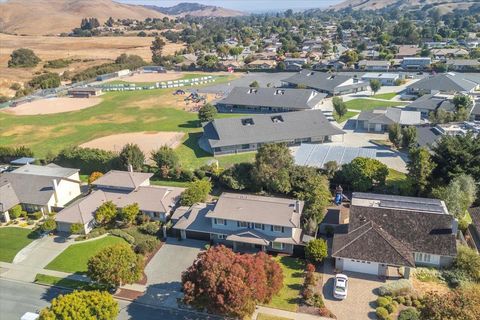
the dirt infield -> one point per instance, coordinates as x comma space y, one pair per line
151, 77
53, 105
147, 141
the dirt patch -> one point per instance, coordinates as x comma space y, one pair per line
53, 105
147, 141
423, 287
150, 77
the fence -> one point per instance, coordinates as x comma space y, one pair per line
157, 85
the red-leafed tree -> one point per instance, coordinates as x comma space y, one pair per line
231, 284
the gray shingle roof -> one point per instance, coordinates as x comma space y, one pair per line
427, 136
448, 82
300, 99
30, 189
319, 80
8, 197
475, 214
432, 103
463, 62
122, 179
83, 210
50, 170
295, 125
476, 109
388, 116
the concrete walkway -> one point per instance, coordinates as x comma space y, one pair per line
285, 314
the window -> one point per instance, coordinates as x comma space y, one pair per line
242, 224
423, 257
277, 245
277, 229
221, 236
220, 221
258, 226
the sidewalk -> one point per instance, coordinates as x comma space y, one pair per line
285, 314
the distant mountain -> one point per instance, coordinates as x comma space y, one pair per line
40, 17
197, 10
443, 5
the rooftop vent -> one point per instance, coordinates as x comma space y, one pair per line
310, 74
252, 91
277, 119
280, 92
248, 122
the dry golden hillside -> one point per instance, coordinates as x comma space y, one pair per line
445, 6
47, 17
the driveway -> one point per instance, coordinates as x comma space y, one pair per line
164, 271
359, 304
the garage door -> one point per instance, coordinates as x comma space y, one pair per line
360, 266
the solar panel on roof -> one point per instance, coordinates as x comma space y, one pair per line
316, 155
411, 206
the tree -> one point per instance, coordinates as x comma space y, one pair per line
231, 284
106, 212
458, 195
82, 305
316, 250
129, 213
395, 135
409, 137
339, 106
157, 48
94, 176
45, 81
165, 157
349, 57
468, 261
235, 51
49, 225
420, 167
131, 154
77, 228
363, 174
455, 304
254, 84
375, 85
115, 266
462, 101
23, 58
272, 167
329, 168
196, 192
238, 177
207, 112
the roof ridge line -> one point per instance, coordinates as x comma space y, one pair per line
391, 245
368, 229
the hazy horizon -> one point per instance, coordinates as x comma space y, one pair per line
245, 5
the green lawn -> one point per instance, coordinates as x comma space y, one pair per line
186, 77
386, 96
345, 117
170, 183
61, 282
75, 257
263, 316
288, 297
397, 181
12, 240
367, 104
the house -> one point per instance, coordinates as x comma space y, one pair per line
234, 135
432, 103
416, 63
435, 44
39, 188
84, 92
123, 188
374, 65
295, 64
244, 222
405, 51
388, 232
451, 83
380, 119
153, 69
463, 64
444, 54
473, 231
329, 65
475, 113
265, 100
331, 84
428, 136
370, 54
262, 64
8, 199
386, 79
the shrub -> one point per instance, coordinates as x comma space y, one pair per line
45, 81
469, 261
409, 314
316, 250
23, 58
196, 192
416, 303
97, 232
122, 234
150, 228
455, 277
30, 222
307, 293
142, 219
396, 288
400, 299
146, 246
49, 225
317, 301
15, 212
408, 302
382, 301
390, 308
36, 215
88, 160
382, 313
77, 228
324, 312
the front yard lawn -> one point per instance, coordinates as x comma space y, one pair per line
345, 117
75, 257
385, 96
288, 297
368, 104
12, 240
61, 282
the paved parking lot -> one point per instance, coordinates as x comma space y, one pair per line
359, 304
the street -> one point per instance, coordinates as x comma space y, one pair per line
16, 298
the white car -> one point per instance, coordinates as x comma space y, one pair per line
340, 286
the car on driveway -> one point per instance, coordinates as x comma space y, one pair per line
340, 286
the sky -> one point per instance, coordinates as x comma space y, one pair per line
246, 5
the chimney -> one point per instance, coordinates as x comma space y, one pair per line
297, 206
130, 168
454, 227
55, 190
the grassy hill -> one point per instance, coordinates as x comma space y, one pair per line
443, 5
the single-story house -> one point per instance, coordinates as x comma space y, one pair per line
386, 79
432, 103
123, 188
473, 231
463, 64
443, 54
475, 113
331, 84
329, 65
405, 51
427, 136
295, 64
374, 65
265, 100
244, 222
84, 92
451, 83
387, 233
233, 135
39, 188
8, 199
380, 119
22, 161
416, 63
262, 64
370, 54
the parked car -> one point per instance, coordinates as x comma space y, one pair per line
30, 316
340, 286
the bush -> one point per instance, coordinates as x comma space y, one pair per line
382, 313
146, 246
307, 293
382, 301
36, 215
88, 160
122, 234
57, 63
142, 219
150, 228
197, 192
324, 312
48, 225
400, 299
390, 308
317, 301
8, 154
409, 314
396, 288
77, 228
45, 81
316, 250
97, 232
455, 277
416, 303
468, 261
30, 222
23, 58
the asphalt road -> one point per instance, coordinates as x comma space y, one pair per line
16, 298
